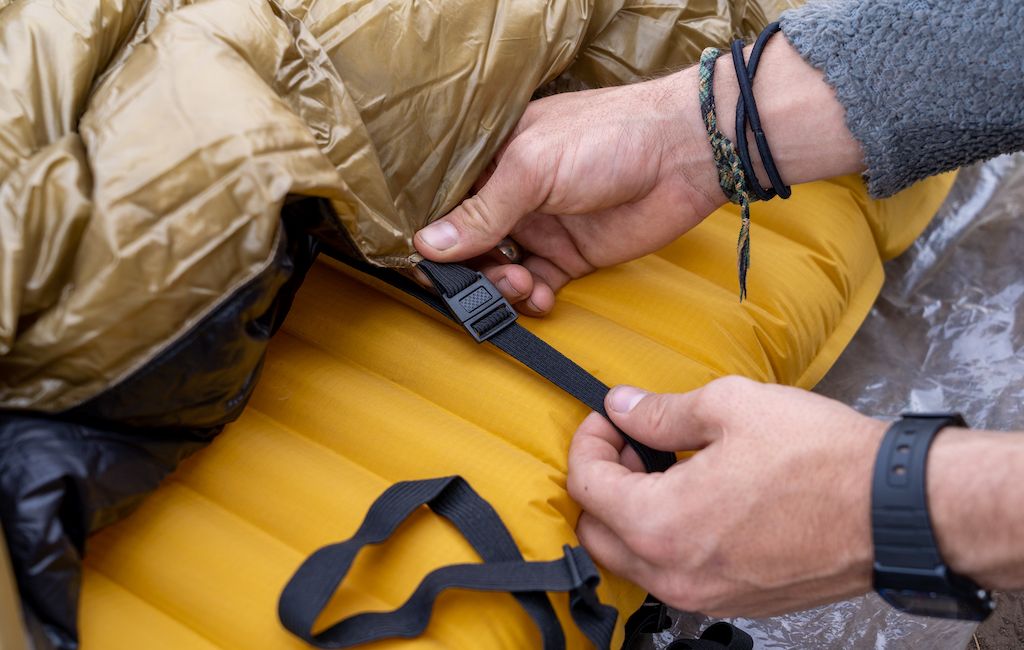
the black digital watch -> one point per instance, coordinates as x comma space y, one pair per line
909, 572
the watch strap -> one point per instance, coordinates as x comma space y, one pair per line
909, 572
901, 526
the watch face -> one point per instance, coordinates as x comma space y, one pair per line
933, 604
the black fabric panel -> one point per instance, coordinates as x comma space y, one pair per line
205, 378
58, 482
65, 476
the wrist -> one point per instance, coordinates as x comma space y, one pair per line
974, 503
689, 156
855, 495
804, 123
910, 571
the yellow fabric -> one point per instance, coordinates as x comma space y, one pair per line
361, 390
12, 635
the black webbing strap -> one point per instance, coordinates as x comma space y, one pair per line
503, 569
468, 298
651, 618
460, 286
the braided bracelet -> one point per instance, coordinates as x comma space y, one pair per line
735, 171
731, 177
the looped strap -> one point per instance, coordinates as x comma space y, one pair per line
503, 569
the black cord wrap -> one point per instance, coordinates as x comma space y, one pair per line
746, 114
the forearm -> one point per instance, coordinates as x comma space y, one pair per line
801, 117
976, 502
875, 86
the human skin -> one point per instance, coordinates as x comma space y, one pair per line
772, 512
599, 177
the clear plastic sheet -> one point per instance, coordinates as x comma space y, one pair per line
946, 334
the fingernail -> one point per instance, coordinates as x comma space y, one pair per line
440, 236
622, 399
506, 288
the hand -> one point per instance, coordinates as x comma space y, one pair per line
587, 180
599, 177
770, 515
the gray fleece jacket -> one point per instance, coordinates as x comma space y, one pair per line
928, 85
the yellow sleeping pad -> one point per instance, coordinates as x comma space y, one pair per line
364, 387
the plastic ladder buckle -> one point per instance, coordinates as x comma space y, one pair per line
481, 309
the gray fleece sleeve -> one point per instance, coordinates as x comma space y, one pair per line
928, 85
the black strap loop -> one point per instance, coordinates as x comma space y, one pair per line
504, 569
746, 109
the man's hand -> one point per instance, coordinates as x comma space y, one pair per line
595, 178
587, 180
770, 515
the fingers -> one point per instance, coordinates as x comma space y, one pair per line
543, 268
611, 552
529, 294
513, 281
669, 422
541, 300
631, 459
597, 480
482, 220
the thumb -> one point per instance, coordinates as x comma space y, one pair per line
665, 421
483, 220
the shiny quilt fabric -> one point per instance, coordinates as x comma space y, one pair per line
364, 387
148, 145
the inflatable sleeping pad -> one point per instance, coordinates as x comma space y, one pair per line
365, 387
